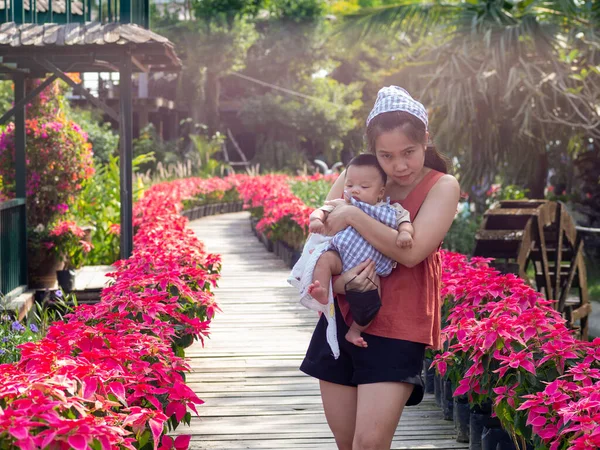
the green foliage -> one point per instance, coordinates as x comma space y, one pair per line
53, 307
203, 162
104, 140
291, 131
312, 193
153, 150
99, 206
501, 79
499, 192
13, 333
225, 12
298, 10
7, 95
461, 236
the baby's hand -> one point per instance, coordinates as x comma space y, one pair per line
404, 240
337, 202
316, 226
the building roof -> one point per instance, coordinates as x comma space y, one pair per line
21, 43
58, 6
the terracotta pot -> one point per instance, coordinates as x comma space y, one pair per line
43, 266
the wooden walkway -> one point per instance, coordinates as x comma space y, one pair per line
247, 372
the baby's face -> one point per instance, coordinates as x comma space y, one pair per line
364, 183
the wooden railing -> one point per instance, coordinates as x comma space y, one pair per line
13, 246
75, 11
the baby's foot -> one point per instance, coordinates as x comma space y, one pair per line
318, 292
353, 336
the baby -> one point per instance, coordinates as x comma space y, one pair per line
364, 187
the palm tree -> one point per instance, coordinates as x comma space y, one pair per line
498, 78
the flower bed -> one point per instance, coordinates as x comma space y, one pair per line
112, 375
505, 343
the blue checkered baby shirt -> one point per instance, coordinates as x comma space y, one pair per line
354, 249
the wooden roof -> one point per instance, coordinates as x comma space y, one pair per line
20, 42
58, 6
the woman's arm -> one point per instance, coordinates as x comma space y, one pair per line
431, 224
337, 190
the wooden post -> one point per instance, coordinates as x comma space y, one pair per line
21, 170
126, 149
20, 138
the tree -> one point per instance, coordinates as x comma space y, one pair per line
212, 43
492, 73
293, 131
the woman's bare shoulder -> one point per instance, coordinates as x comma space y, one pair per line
444, 190
447, 182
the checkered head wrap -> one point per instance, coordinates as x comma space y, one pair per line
395, 98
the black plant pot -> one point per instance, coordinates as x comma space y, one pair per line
429, 376
437, 390
476, 421
496, 438
66, 280
201, 211
462, 415
295, 257
447, 400
481, 416
184, 341
286, 254
268, 243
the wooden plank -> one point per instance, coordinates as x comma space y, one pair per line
247, 372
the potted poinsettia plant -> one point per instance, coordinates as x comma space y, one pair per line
68, 242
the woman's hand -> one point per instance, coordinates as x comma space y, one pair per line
360, 278
337, 220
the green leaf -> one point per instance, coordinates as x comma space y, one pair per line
144, 438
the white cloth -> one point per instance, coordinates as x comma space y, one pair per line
301, 278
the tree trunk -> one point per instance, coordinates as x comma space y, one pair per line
213, 86
539, 176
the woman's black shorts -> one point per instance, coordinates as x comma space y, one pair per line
385, 359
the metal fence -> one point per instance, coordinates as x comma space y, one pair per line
75, 11
13, 245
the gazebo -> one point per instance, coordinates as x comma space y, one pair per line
45, 39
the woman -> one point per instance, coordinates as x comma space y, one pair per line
365, 390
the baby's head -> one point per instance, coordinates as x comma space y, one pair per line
365, 179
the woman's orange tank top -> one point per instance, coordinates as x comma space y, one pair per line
410, 296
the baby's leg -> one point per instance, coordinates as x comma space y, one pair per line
353, 335
328, 264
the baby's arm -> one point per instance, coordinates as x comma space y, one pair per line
405, 235
405, 229
317, 221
